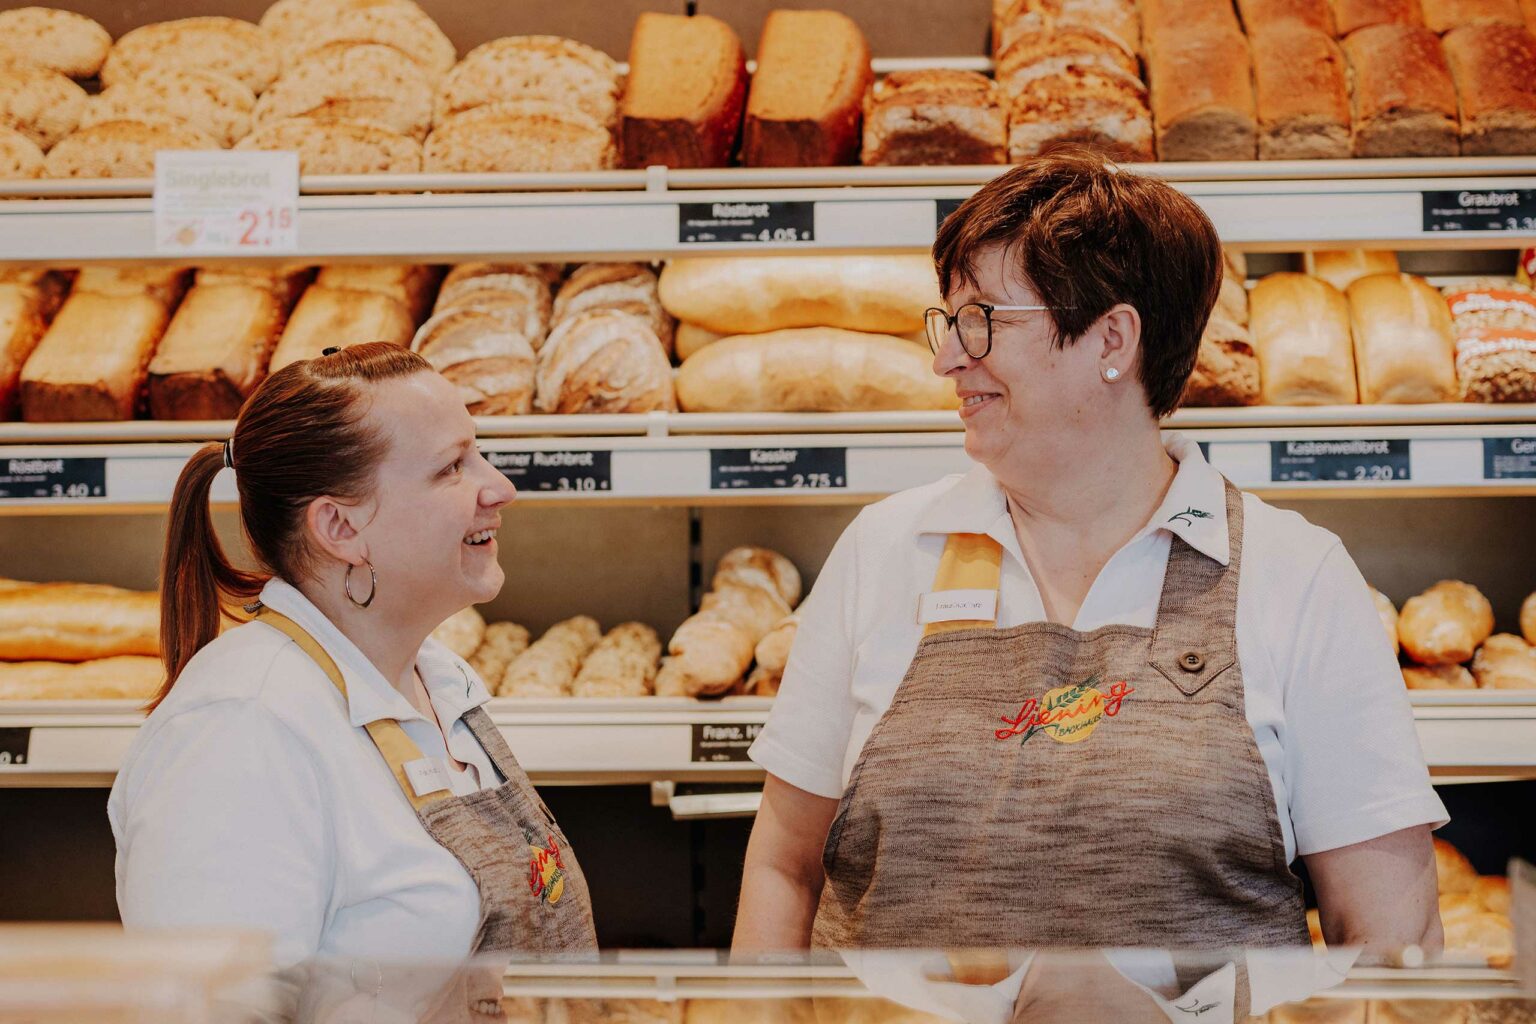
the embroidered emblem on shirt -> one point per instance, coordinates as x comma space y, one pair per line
1189, 515
467, 684
1067, 714
546, 869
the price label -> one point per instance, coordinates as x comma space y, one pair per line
815, 469
1509, 458
566, 470
56, 479
716, 744
1357, 461
15, 744
942, 208
226, 203
1491, 209
770, 222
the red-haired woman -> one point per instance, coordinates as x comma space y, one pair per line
326, 772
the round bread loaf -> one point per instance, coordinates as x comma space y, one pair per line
1505, 662
627, 287
63, 41
294, 22
122, 149
213, 103
604, 361
403, 26
1438, 677
40, 103
1445, 624
20, 157
342, 81
520, 136
339, 147
484, 353
504, 288
547, 68
225, 45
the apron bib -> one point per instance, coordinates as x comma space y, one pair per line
533, 896
1039, 786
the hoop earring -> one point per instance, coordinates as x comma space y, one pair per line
373, 585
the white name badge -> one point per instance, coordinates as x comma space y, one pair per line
957, 605
426, 775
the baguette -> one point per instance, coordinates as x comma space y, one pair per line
92, 362
336, 317
1405, 346
24, 317
811, 370
76, 622
1494, 68
61, 41
1301, 93
1446, 624
623, 664
1342, 267
1404, 103
687, 88
225, 45
215, 351
127, 677
806, 97
1202, 95
1301, 335
548, 667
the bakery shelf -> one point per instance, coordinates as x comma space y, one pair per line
1476, 736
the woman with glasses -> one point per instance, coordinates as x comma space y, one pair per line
1087, 694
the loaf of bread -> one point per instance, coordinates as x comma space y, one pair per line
1494, 68
1454, 872
1443, 16
546, 68
286, 281
1492, 891
485, 354
687, 86
806, 97
25, 313
604, 361
411, 284
1528, 618
1100, 106
503, 642
61, 41
1232, 299
761, 683
1259, 16
367, 82
1202, 95
293, 23
706, 656
1438, 677
1405, 346
1162, 19
122, 149
1041, 49
1489, 936
1226, 369
1014, 18
215, 351
226, 45
462, 632
1301, 91
338, 317
623, 664
759, 567
1495, 321
1388, 612
1349, 15
1403, 100
1300, 328
1446, 624
520, 136
339, 147
126, 677
548, 667
165, 285
934, 117
817, 369
772, 652
76, 622
1343, 267
39, 103
404, 27
1505, 662
753, 294
625, 287
519, 291
92, 362
20, 157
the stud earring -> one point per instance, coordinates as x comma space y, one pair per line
1111, 374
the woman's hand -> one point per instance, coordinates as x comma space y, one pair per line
782, 879
1380, 895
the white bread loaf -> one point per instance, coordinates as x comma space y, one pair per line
811, 370
604, 361
547, 68
1300, 328
623, 664
1405, 346
215, 351
1342, 267
752, 294
76, 622
215, 104
484, 353
548, 667
1446, 624
61, 41
225, 45
126, 677
92, 362
337, 317
39, 103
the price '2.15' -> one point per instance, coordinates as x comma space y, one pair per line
257, 226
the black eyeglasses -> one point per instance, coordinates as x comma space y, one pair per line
974, 322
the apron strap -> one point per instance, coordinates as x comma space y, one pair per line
971, 561
397, 748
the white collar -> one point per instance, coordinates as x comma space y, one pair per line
452, 686
1194, 509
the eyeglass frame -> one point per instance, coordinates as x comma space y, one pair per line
951, 321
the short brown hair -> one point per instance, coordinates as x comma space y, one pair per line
1087, 236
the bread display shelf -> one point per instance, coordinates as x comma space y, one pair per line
1466, 737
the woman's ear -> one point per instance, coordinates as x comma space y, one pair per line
1120, 329
332, 530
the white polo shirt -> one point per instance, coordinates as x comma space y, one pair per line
253, 797
1321, 686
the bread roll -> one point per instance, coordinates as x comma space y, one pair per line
623, 664
604, 361
336, 317
626, 287
1403, 101
548, 667
1454, 871
93, 360
1443, 16
1349, 15
762, 683
503, 642
520, 136
1405, 347
404, 27
127, 677
485, 354
1494, 68
1301, 92
24, 317
20, 157
1226, 370
215, 104
772, 652
231, 47
753, 294
706, 656
1528, 618
1505, 662
411, 284
339, 147
61, 41
1300, 328
1202, 95
1445, 624
1095, 105
1492, 891
1487, 935
462, 632
759, 567
1260, 16
1343, 267
215, 351
1388, 612
354, 82
39, 103
546, 68
687, 88
1438, 677
806, 97
76, 622
934, 117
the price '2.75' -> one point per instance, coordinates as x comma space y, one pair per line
258, 225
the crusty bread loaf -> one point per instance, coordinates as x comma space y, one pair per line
1099, 106
128, 677
548, 667
687, 86
218, 105
1043, 48
752, 294
807, 95
1342, 267
76, 622
816, 369
1226, 369
759, 567
1403, 101
1446, 624
1349, 15
711, 650
520, 135
339, 147
1489, 936
934, 117
91, 364
626, 287
1301, 92
706, 656
1494, 68
1444, 15
1202, 95
1388, 612
215, 351
1300, 329
24, 315
1505, 662
623, 664
547, 68
293, 22
20, 157
772, 652
604, 361
1438, 677
462, 632
366, 82
62, 41
122, 149
226, 45
1162, 20
485, 354
1013, 18
1492, 891
512, 289
337, 317
1260, 15
40, 103
503, 642
405, 27
411, 284
1405, 347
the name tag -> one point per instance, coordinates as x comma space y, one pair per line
426, 775
957, 605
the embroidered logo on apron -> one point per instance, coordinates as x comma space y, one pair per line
546, 871
1067, 714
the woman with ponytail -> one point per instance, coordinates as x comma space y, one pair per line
325, 771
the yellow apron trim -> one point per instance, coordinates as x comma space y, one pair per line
397, 748
971, 561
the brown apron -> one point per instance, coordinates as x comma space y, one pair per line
1038, 786
533, 896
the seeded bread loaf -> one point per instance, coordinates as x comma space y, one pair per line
63, 41
20, 157
339, 147
405, 27
1301, 92
520, 135
1403, 100
215, 104
934, 117
1494, 68
228, 46
1099, 106
806, 97
682, 104
353, 82
546, 68
39, 103
122, 149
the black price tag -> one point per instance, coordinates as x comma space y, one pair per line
1359, 461
15, 744
815, 469
942, 208
716, 744
1509, 458
565, 470
60, 479
1487, 209
771, 222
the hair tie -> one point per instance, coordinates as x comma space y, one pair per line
229, 453
329, 351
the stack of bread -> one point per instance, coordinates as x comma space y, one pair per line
803, 334
610, 350
1449, 627
935, 116
78, 641
1226, 369
1070, 73
1495, 324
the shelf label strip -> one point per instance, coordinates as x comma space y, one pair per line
1491, 209
563, 470
1509, 458
718, 743
1356, 461
62, 479
772, 222
809, 469
15, 745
